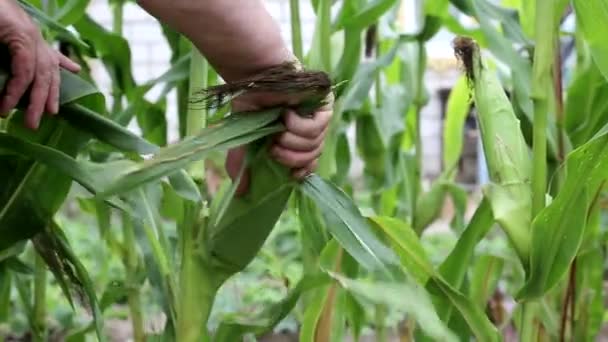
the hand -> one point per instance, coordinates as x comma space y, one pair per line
298, 148
34, 64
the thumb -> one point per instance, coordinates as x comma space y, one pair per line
234, 162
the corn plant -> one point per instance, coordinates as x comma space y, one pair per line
535, 239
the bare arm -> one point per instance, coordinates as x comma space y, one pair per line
238, 37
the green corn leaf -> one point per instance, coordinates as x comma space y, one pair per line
177, 73
312, 313
45, 20
463, 5
185, 186
343, 158
318, 298
153, 255
234, 131
349, 61
456, 113
358, 89
114, 292
434, 12
6, 280
79, 101
25, 295
313, 232
586, 103
460, 201
320, 54
345, 223
558, 230
31, 192
589, 299
172, 205
356, 315
453, 268
413, 258
367, 15
389, 117
105, 130
486, 273
113, 50
70, 11
503, 48
589, 278
429, 205
235, 239
153, 122
124, 175
591, 15
403, 296
406, 243
54, 248
373, 152
475, 317
12, 251
18, 266
234, 326
79, 334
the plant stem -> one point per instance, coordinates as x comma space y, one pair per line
572, 281
379, 74
539, 175
197, 115
196, 118
5, 293
325, 34
197, 287
542, 87
530, 324
380, 328
559, 105
117, 28
324, 329
569, 303
40, 278
296, 29
131, 261
418, 103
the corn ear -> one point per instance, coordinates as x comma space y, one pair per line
235, 238
240, 227
507, 155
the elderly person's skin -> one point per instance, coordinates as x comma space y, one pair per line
239, 38
35, 65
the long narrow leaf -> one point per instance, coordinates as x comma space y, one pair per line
557, 231
592, 15
414, 259
345, 223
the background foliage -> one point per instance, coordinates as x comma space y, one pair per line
99, 224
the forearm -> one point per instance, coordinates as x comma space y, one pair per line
238, 37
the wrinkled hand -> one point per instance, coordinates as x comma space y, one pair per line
35, 65
297, 148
